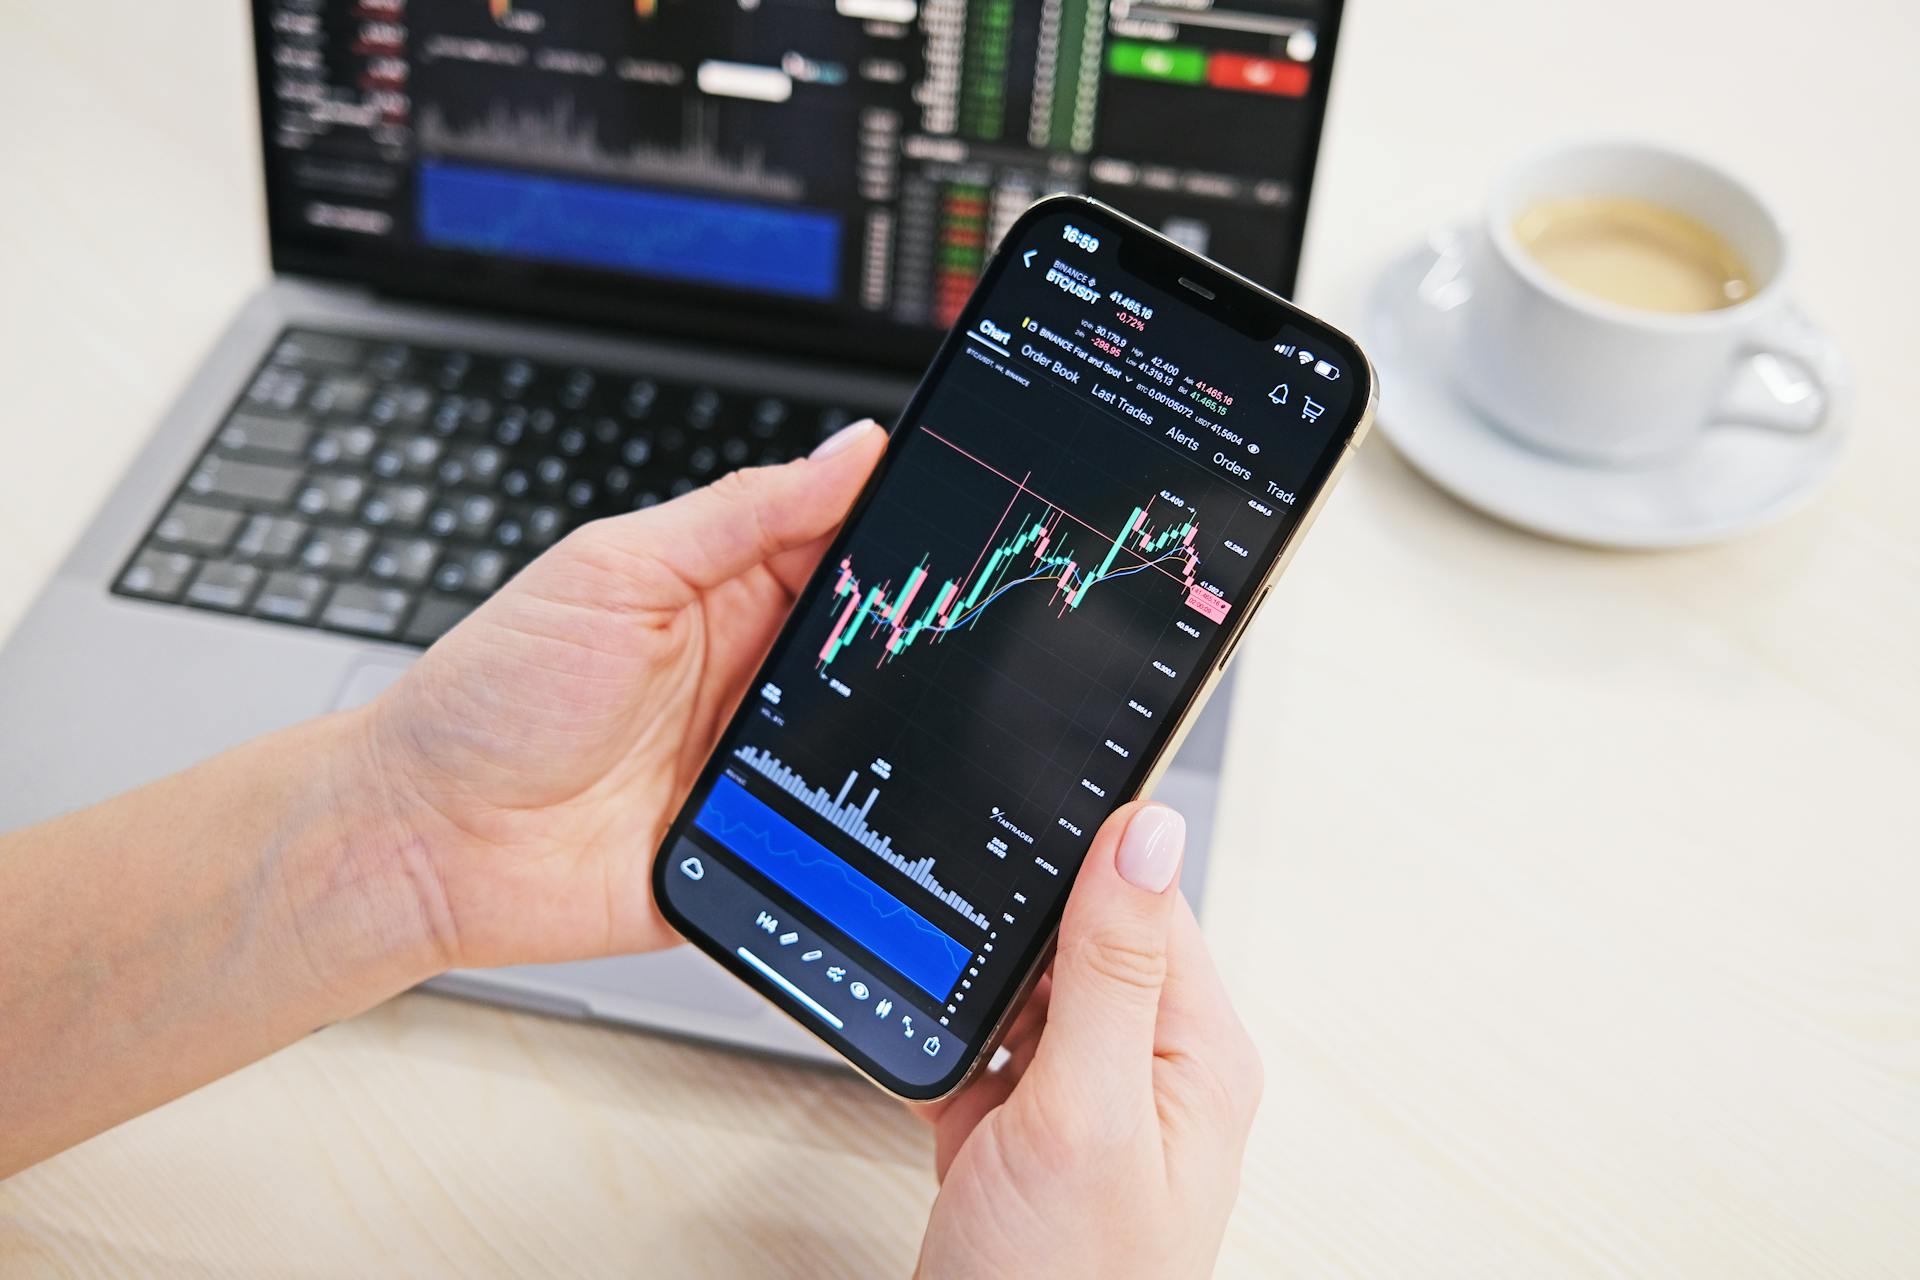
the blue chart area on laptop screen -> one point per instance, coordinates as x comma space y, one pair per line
693, 238
823, 881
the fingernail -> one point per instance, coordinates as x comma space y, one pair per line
842, 438
1150, 850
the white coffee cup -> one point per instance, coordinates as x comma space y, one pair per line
1599, 382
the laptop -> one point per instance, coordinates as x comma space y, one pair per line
538, 262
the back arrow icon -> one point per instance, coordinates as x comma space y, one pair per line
692, 869
1027, 257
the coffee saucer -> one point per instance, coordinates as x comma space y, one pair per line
1734, 479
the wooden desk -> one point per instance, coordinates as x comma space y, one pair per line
1575, 897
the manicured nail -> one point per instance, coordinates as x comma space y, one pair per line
843, 437
1150, 850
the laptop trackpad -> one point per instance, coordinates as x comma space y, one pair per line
367, 679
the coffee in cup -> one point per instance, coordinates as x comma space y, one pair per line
1635, 253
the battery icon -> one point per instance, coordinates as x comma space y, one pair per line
1326, 371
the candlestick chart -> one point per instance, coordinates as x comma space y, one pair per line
1044, 551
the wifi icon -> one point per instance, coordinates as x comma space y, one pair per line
1305, 357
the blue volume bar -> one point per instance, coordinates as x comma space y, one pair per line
818, 877
720, 242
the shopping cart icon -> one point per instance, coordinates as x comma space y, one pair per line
1312, 409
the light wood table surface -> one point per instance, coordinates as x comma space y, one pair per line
1574, 897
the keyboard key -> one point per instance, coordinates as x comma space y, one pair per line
286, 437
345, 445
332, 494
419, 453
259, 483
270, 538
479, 464
192, 526
480, 572
576, 388
337, 550
290, 597
341, 394
277, 388
641, 395
450, 415
436, 616
544, 526
400, 405
511, 427
400, 506
373, 611
703, 409
453, 370
301, 347
516, 376
488, 571
769, 415
477, 513
158, 575
390, 360
222, 584
407, 561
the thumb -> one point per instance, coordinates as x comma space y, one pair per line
752, 515
1111, 962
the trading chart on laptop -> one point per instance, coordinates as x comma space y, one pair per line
859, 155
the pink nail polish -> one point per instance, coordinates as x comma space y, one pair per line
842, 438
1151, 847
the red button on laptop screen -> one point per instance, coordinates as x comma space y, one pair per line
1257, 75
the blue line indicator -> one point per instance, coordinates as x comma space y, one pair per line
823, 881
696, 238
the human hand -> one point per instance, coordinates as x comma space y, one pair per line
1109, 1143
536, 753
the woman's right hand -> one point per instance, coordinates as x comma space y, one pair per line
1109, 1143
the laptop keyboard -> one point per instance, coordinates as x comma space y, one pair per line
385, 489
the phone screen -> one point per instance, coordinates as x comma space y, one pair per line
1071, 520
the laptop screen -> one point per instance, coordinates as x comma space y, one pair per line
815, 172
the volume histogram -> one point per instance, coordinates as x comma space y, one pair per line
562, 138
827, 883
1040, 552
853, 821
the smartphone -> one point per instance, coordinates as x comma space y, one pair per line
1077, 517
